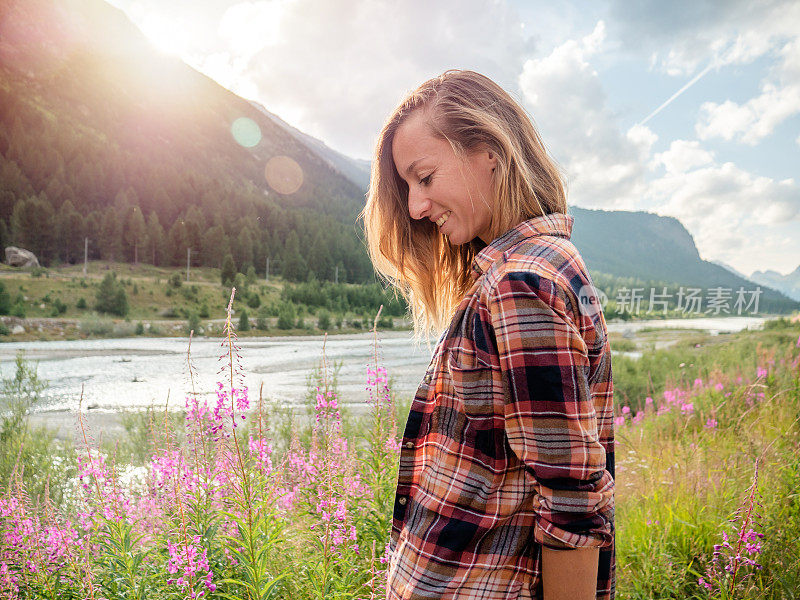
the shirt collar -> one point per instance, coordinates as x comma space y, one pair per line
558, 224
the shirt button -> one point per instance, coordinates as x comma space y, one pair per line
409, 445
427, 378
402, 500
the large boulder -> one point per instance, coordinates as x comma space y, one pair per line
19, 257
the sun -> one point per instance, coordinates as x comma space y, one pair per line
168, 36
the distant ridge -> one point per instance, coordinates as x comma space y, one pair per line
788, 284
356, 170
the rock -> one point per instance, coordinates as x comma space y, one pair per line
17, 329
19, 257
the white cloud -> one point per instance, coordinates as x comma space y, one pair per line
730, 211
752, 121
605, 166
336, 69
336, 72
682, 35
682, 156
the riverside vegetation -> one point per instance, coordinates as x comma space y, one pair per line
236, 500
119, 300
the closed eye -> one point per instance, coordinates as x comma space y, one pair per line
426, 180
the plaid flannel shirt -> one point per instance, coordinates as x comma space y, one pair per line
509, 445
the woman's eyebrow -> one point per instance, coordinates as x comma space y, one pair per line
414, 164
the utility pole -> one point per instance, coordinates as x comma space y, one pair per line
266, 278
85, 254
188, 259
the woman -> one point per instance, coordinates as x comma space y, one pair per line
505, 486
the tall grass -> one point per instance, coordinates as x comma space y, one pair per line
239, 503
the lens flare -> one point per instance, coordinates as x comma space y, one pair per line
283, 174
246, 132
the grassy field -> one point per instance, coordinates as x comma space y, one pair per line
297, 505
59, 303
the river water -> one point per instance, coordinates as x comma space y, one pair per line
139, 372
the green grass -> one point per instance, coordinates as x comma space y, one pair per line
152, 300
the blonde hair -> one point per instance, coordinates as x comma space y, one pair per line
472, 113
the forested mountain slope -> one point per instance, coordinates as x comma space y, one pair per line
100, 135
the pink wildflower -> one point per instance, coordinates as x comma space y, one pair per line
711, 423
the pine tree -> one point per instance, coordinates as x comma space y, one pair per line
135, 230
110, 241
32, 226
155, 239
228, 271
111, 297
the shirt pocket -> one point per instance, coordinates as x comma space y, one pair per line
475, 384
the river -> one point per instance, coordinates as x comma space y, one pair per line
137, 372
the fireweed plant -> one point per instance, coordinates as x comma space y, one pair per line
214, 514
217, 512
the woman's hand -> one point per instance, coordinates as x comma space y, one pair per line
570, 574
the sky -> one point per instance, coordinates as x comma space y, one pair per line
685, 108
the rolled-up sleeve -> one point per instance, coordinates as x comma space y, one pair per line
550, 418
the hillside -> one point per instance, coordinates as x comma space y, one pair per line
96, 126
788, 284
103, 137
653, 248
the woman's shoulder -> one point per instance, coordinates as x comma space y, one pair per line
550, 260
551, 268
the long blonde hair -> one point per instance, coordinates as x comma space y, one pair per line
471, 112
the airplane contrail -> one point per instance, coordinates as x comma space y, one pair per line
694, 80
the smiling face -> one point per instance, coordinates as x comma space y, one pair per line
453, 192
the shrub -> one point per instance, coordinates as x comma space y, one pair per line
139, 328
203, 314
18, 310
81, 304
228, 271
324, 320
111, 296
193, 323
244, 321
251, 275
175, 280
5, 300
59, 308
254, 301
4, 330
286, 316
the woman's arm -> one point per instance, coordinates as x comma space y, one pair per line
570, 574
550, 419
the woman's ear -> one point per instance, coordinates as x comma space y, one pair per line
492, 159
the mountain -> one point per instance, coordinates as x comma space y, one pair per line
103, 137
656, 249
733, 270
354, 169
99, 131
788, 284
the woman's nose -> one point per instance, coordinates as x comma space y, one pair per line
418, 204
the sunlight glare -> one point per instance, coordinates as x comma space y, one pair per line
168, 36
246, 132
283, 174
